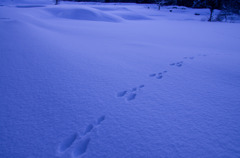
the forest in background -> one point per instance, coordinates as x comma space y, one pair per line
227, 7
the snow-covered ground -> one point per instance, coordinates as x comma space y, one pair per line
100, 80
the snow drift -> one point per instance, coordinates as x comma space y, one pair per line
83, 14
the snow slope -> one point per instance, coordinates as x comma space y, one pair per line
117, 80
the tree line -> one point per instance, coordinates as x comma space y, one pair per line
227, 7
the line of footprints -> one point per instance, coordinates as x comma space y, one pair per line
132, 93
77, 144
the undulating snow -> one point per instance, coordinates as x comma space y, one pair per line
101, 80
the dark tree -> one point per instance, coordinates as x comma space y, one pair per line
56, 2
211, 4
199, 4
159, 3
231, 6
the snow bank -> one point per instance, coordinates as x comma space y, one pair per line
83, 14
107, 14
124, 13
29, 6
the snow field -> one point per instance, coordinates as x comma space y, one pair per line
123, 80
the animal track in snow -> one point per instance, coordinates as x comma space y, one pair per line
81, 148
67, 142
134, 89
202, 55
158, 75
100, 119
141, 86
130, 94
178, 64
121, 94
88, 129
191, 58
152, 75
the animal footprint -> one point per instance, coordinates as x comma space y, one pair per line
67, 142
141, 86
152, 75
159, 75
189, 58
202, 55
88, 129
100, 119
121, 94
134, 89
130, 94
81, 148
178, 64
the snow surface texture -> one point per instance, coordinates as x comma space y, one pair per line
117, 80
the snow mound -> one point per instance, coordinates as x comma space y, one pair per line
124, 13
83, 14
29, 6
103, 8
133, 16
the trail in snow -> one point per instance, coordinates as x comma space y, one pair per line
131, 94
